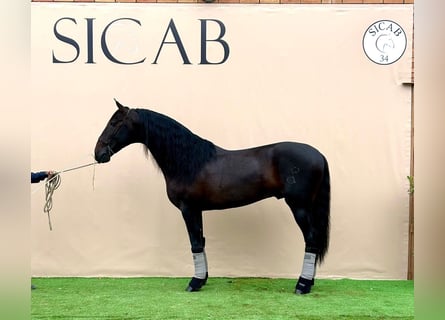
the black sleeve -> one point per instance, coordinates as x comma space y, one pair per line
38, 176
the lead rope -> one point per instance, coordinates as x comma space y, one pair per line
53, 183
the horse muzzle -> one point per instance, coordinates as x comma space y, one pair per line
102, 155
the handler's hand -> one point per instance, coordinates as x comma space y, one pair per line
50, 174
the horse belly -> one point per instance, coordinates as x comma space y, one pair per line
236, 189
232, 198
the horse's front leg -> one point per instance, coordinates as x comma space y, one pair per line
193, 222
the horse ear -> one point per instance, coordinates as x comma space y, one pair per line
119, 105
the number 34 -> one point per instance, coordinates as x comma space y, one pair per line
383, 58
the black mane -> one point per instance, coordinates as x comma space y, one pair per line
179, 153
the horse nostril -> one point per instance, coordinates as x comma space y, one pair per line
102, 157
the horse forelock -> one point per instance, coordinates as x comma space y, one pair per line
179, 153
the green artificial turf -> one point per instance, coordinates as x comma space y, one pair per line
221, 298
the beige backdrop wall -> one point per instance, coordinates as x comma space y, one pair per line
294, 73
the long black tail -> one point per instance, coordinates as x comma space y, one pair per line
321, 213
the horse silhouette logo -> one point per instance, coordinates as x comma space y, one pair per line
384, 42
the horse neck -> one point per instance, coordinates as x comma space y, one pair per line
178, 152
156, 135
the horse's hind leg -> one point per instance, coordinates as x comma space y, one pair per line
193, 222
303, 218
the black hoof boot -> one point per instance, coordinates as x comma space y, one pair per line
205, 280
304, 286
196, 284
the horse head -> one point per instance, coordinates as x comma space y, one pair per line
118, 133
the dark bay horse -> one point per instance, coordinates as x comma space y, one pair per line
202, 176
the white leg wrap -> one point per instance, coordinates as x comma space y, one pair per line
308, 271
200, 261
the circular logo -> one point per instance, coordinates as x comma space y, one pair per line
384, 42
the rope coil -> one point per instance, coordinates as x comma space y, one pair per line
52, 184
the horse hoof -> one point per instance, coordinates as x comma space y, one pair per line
298, 291
191, 289
196, 284
304, 286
